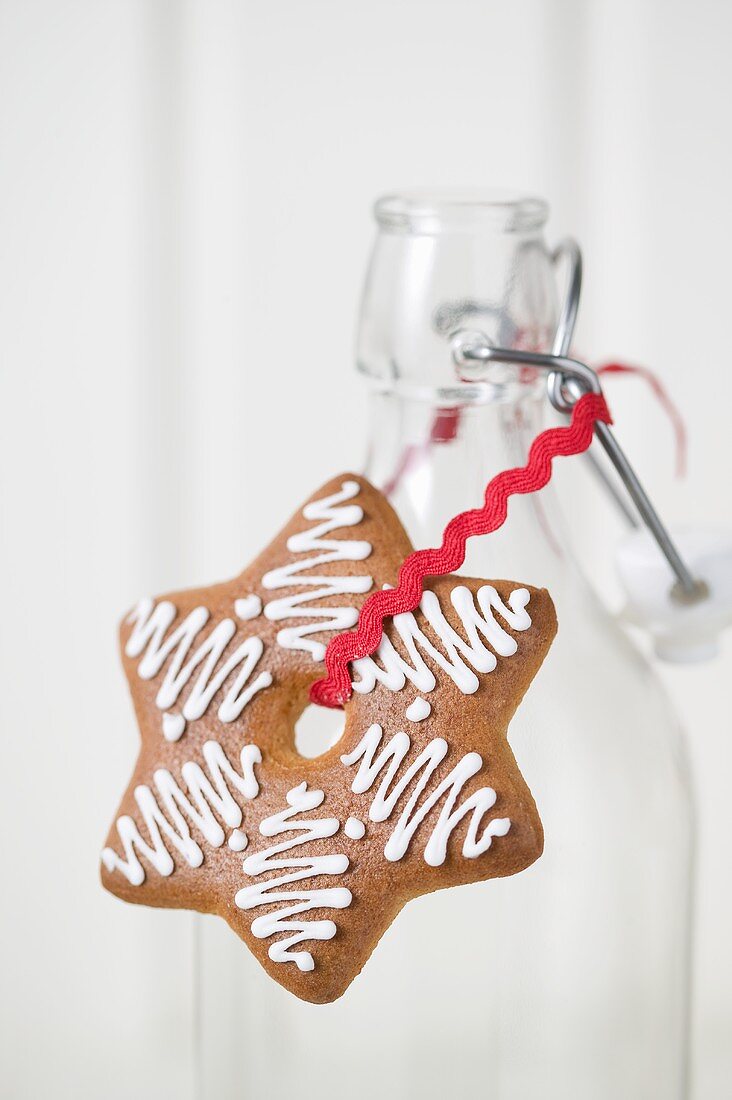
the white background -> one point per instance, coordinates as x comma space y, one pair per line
184, 202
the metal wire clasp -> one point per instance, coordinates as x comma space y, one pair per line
567, 380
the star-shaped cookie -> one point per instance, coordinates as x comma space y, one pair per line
309, 860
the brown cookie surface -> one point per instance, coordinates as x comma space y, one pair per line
309, 860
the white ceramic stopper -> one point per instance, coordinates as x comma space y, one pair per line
682, 632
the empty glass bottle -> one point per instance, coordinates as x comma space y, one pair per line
569, 980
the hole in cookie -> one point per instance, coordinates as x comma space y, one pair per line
318, 729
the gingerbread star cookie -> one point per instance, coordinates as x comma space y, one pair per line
309, 860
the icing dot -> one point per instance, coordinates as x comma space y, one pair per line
238, 841
173, 726
418, 710
249, 607
354, 828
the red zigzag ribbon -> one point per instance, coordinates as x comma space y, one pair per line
335, 688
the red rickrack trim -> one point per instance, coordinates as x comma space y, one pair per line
335, 688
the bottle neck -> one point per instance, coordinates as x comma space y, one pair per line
446, 263
440, 264
434, 461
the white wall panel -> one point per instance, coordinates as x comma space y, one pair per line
93, 993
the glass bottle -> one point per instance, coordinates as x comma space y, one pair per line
569, 980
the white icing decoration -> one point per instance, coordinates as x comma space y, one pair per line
208, 794
148, 639
238, 841
354, 828
314, 541
296, 869
418, 710
390, 761
173, 726
248, 607
394, 671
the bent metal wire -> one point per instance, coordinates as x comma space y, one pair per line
567, 380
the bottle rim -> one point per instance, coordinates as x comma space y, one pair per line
440, 210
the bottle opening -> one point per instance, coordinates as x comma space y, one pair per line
433, 211
445, 260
